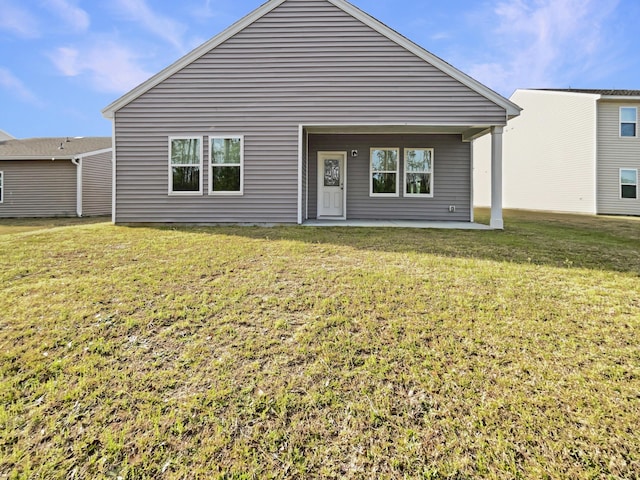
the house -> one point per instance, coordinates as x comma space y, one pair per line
5, 136
571, 150
55, 177
303, 109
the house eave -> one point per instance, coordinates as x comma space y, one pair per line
511, 108
38, 157
620, 98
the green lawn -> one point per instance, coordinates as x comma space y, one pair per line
291, 352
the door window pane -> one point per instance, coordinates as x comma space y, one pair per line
332, 173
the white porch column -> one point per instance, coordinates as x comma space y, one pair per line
496, 178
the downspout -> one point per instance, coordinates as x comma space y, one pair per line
77, 161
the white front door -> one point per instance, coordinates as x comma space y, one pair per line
332, 184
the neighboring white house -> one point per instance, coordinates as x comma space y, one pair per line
5, 136
570, 150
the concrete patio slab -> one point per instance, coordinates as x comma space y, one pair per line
396, 224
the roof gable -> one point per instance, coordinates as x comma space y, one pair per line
510, 108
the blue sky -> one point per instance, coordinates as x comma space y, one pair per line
63, 61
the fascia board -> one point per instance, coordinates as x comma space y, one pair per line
95, 152
38, 157
619, 98
189, 58
511, 108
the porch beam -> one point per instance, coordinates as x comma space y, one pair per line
497, 221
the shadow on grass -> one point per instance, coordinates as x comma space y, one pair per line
18, 225
567, 241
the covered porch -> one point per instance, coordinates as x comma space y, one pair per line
416, 176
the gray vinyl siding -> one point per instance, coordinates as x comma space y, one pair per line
452, 177
615, 153
38, 188
306, 62
96, 184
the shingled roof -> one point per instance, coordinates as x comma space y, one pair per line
55, 147
606, 93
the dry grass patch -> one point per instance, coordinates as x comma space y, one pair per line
322, 353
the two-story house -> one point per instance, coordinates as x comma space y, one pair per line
569, 151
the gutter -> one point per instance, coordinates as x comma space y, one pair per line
77, 161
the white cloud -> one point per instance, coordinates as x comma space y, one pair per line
109, 67
15, 86
73, 16
544, 43
18, 20
160, 25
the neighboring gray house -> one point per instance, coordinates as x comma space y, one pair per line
55, 177
239, 129
570, 151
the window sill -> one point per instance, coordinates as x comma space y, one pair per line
185, 194
226, 194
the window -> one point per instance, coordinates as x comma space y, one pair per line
384, 172
418, 172
1, 187
226, 160
628, 121
628, 183
185, 165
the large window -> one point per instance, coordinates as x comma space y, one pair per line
226, 176
384, 172
628, 121
418, 172
185, 165
1, 187
628, 183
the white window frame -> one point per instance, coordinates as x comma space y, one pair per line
1, 186
396, 171
212, 165
634, 123
407, 172
199, 165
627, 184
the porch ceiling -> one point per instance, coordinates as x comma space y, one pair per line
468, 132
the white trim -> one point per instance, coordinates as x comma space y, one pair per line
344, 184
471, 178
210, 165
1, 186
300, 165
78, 163
511, 109
397, 172
191, 57
620, 122
306, 137
113, 171
406, 172
95, 152
497, 221
170, 166
620, 184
